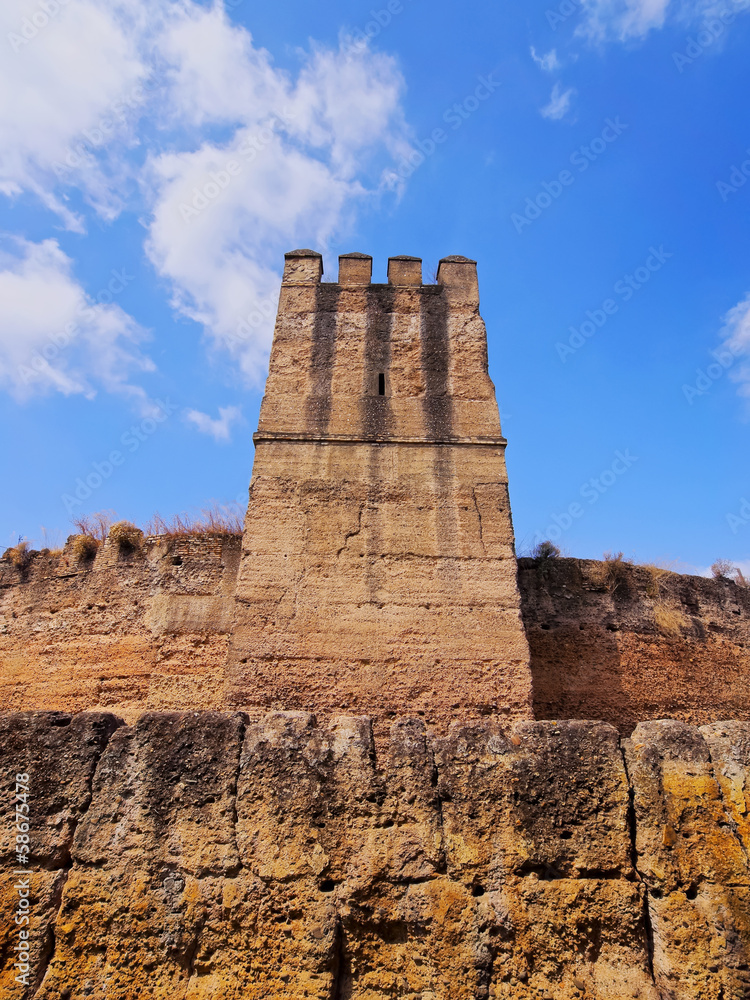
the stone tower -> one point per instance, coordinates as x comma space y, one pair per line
378, 571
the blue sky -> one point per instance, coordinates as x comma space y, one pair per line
592, 162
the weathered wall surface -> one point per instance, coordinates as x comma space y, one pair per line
124, 633
201, 855
378, 567
146, 633
650, 647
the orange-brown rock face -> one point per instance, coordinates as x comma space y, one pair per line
378, 572
645, 645
124, 632
201, 855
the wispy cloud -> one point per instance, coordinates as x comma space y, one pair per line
54, 337
736, 333
168, 96
559, 104
548, 62
622, 19
219, 428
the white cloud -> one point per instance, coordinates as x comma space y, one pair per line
736, 333
219, 428
110, 91
53, 337
300, 157
548, 62
623, 19
559, 104
215, 73
63, 85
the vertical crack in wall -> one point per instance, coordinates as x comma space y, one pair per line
47, 951
234, 789
435, 777
338, 971
731, 823
632, 821
352, 534
479, 518
49, 947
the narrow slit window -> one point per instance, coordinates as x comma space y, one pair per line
381, 384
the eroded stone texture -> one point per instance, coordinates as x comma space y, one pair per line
536, 826
378, 573
124, 632
286, 859
59, 753
646, 644
693, 862
150, 859
151, 631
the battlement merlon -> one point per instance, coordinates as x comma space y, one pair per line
457, 275
357, 360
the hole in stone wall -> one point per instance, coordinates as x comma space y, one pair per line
692, 892
327, 885
177, 560
381, 384
477, 891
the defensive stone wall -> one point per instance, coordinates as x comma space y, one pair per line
150, 630
200, 855
125, 632
625, 643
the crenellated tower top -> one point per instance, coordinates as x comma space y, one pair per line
402, 361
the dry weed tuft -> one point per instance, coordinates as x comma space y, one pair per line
545, 550
85, 547
95, 525
126, 536
669, 619
612, 573
19, 555
218, 519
